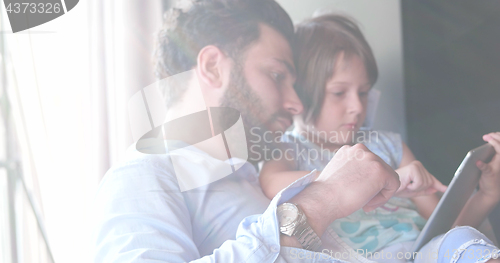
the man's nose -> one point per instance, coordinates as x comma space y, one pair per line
291, 101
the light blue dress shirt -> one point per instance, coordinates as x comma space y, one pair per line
140, 215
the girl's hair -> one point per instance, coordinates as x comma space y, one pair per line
319, 42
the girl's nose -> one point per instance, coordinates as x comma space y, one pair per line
355, 105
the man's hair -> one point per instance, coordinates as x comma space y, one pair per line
319, 42
231, 25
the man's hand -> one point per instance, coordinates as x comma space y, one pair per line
355, 178
358, 179
489, 184
416, 181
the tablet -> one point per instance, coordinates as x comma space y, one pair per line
459, 191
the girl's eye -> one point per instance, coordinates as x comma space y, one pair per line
363, 94
278, 77
338, 94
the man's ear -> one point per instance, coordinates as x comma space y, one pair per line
211, 64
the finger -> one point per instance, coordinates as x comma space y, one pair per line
401, 188
495, 135
392, 185
369, 208
384, 195
389, 188
438, 186
416, 184
376, 201
485, 168
428, 182
429, 191
430, 179
492, 136
405, 181
381, 198
493, 139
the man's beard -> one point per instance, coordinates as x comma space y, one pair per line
240, 96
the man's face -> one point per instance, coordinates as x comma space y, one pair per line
261, 85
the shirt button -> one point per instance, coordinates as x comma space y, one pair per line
275, 248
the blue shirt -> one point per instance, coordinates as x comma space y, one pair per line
142, 216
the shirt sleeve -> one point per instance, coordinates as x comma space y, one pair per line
139, 218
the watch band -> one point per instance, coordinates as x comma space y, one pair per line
306, 235
301, 230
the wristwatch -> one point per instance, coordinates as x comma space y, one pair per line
293, 222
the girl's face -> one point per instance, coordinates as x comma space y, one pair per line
344, 105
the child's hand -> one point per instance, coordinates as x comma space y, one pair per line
489, 184
416, 181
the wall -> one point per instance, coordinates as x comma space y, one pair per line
452, 84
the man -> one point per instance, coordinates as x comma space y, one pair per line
240, 56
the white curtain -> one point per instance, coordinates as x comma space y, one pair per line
121, 63
68, 83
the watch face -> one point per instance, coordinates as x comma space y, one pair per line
287, 213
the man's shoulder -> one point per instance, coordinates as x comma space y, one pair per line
136, 169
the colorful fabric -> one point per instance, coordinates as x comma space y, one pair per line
396, 221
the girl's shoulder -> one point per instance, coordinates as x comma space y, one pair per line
375, 137
387, 145
294, 138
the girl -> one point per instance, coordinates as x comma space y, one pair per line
335, 72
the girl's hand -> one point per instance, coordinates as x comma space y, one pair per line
416, 181
489, 184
